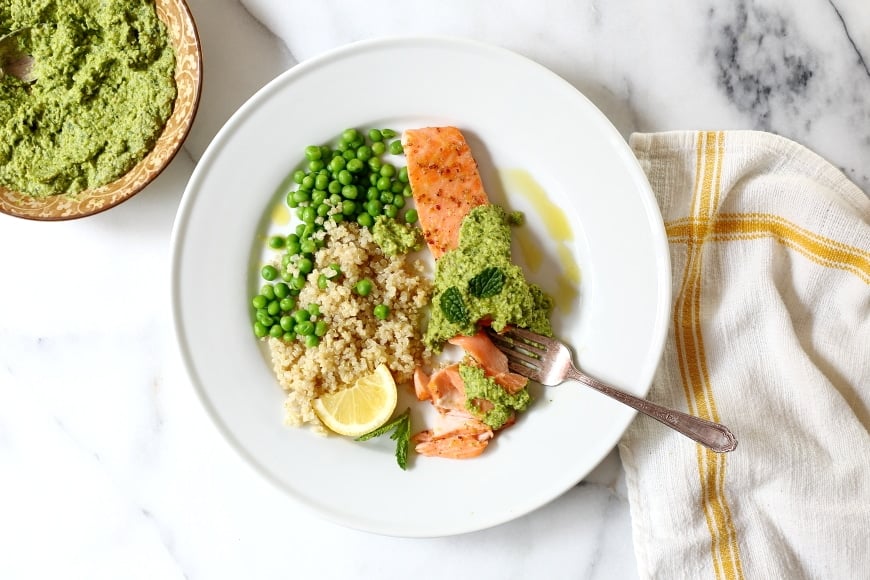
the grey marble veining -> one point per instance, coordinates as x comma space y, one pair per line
110, 467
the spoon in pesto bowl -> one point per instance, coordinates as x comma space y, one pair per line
13, 61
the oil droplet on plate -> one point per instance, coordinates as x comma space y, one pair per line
558, 228
280, 215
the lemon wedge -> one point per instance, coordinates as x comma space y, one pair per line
358, 409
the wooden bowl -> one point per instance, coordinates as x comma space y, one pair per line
188, 79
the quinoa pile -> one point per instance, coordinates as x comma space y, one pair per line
356, 341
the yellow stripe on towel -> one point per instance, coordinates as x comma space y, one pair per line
692, 355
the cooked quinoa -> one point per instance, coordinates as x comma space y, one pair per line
356, 341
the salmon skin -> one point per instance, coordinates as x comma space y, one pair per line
445, 183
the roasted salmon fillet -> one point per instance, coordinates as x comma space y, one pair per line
445, 183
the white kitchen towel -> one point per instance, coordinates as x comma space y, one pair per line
770, 335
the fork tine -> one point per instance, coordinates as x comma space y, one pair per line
511, 340
527, 337
517, 354
531, 373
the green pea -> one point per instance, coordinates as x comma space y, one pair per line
388, 170
350, 191
269, 272
305, 265
365, 220
292, 249
308, 247
375, 135
291, 199
384, 183
322, 281
338, 217
350, 135
335, 199
406, 191
325, 152
349, 153
305, 328
261, 313
373, 193
364, 153
273, 308
313, 153
287, 323
259, 301
300, 231
388, 133
287, 304
375, 164
268, 291
266, 320
411, 216
311, 341
396, 147
396, 187
403, 175
355, 166
315, 166
307, 182
301, 315
286, 276
288, 337
345, 177
391, 211
378, 148
301, 195
364, 287
308, 214
348, 207
374, 207
320, 328
260, 330
323, 210
297, 282
398, 201
281, 290
314, 310
334, 187
386, 197
277, 242
276, 331
298, 176
321, 182
336, 164
381, 311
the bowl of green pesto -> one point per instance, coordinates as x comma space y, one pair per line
114, 89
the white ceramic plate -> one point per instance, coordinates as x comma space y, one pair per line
517, 115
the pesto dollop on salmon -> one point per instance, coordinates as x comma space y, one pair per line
478, 281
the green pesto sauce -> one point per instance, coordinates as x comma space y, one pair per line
104, 90
485, 242
395, 238
479, 386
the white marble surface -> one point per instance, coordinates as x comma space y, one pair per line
109, 468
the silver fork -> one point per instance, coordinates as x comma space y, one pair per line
549, 362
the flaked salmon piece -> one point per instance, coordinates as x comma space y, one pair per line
454, 437
445, 183
447, 390
421, 385
493, 361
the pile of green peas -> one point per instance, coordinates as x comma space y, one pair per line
350, 182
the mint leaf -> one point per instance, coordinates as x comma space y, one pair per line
488, 283
401, 428
453, 307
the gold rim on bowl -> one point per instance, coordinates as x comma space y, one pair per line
184, 37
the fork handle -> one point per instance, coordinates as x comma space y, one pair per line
712, 435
